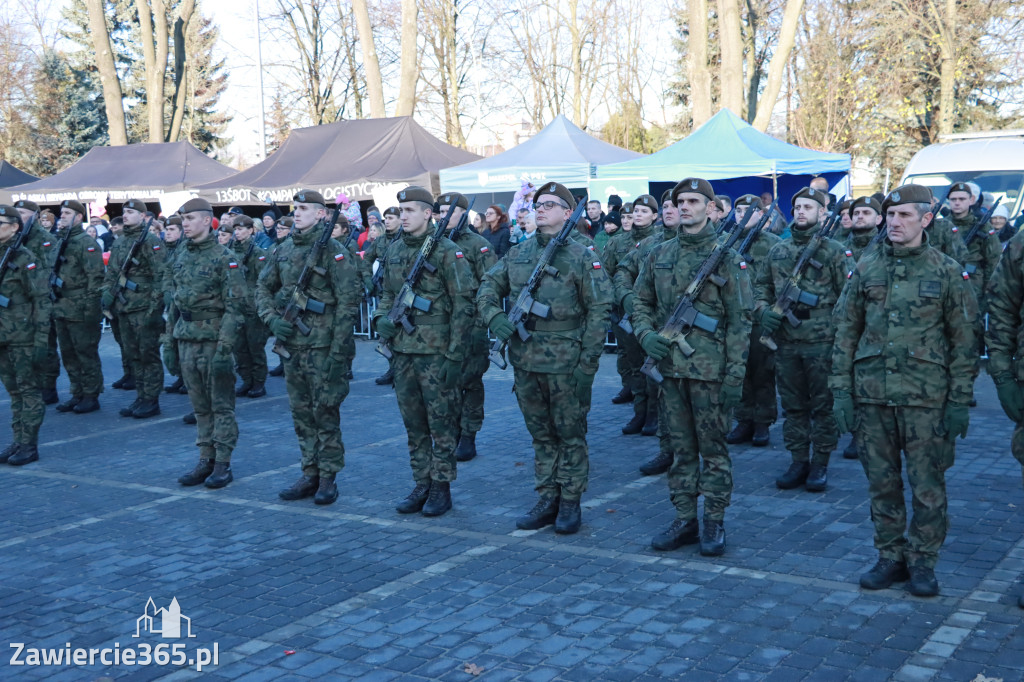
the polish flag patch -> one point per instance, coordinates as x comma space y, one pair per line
156, 248
849, 274
966, 276
743, 265
597, 266
849, 253
46, 243
91, 249
955, 230
991, 231
338, 257
484, 249
32, 266
459, 254
232, 265
262, 258
591, 248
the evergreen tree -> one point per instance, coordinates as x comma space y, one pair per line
279, 124
203, 125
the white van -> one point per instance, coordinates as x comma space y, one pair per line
995, 161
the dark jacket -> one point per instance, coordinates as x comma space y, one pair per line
500, 239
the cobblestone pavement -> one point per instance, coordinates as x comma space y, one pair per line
290, 590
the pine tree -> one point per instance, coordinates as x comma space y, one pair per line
279, 124
203, 125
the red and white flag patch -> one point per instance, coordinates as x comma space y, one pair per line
484, 249
597, 266
955, 230
459, 254
849, 254
232, 264
966, 276
30, 266
849, 274
46, 243
91, 249
338, 257
156, 248
743, 265
262, 258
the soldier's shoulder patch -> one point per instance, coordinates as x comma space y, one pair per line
484, 249
339, 256
590, 248
965, 275
955, 229
32, 266
597, 265
849, 254
991, 232
156, 247
46, 243
849, 274
262, 258
743, 265
232, 264
91, 249
459, 254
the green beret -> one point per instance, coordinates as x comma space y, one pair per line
174, 219
627, 208
646, 200
136, 205
286, 221
960, 187
10, 212
453, 198
243, 221
308, 196
666, 196
695, 185
342, 221
75, 206
26, 204
909, 194
813, 195
393, 210
749, 199
557, 190
414, 193
866, 202
196, 204
846, 205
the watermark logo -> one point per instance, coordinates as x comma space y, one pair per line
169, 620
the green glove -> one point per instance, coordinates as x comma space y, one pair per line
627, 303
222, 360
386, 329
656, 346
171, 359
584, 382
1011, 398
770, 321
39, 354
106, 300
281, 328
451, 372
956, 419
842, 410
502, 327
731, 395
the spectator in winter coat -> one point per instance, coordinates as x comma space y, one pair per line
497, 230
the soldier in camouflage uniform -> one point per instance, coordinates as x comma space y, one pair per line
172, 240
470, 411
41, 242
428, 360
251, 345
1005, 338
140, 311
701, 389
282, 232
903, 370
24, 327
76, 309
317, 365
982, 253
845, 220
373, 260
207, 294
758, 408
555, 367
804, 356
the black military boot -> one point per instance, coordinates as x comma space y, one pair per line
681, 532
146, 409
277, 371
760, 437
327, 491
923, 582
50, 395
1020, 599
221, 475
6, 453
130, 410
712, 539
415, 500
543, 514
623, 396
120, 382
243, 390
741, 433
199, 474
884, 574
466, 449
569, 518
70, 404
651, 422
178, 384
851, 451
817, 478
440, 499
89, 403
189, 418
636, 424
24, 455
258, 390
385, 379
658, 464
302, 488
795, 476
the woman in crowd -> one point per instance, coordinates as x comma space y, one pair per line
498, 230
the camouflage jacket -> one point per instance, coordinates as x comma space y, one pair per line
664, 274
580, 298
445, 329
251, 259
983, 253
1005, 335
375, 252
826, 283
757, 256
481, 259
943, 235
905, 330
335, 283
208, 293
42, 243
621, 243
26, 319
82, 271
147, 271
629, 267
858, 242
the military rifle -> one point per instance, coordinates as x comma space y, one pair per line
748, 241
407, 300
130, 259
727, 223
972, 234
685, 316
526, 304
378, 277
299, 301
56, 283
7, 261
463, 221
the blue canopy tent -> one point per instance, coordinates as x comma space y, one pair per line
735, 157
561, 152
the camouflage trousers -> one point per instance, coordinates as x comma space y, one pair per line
52, 369
140, 340
21, 380
758, 405
315, 410
802, 372
429, 412
80, 351
883, 433
251, 351
557, 421
212, 393
629, 364
115, 327
1017, 447
696, 427
471, 385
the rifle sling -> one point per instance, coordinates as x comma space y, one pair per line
810, 313
430, 320
539, 325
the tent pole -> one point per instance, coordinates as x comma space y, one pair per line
259, 76
775, 181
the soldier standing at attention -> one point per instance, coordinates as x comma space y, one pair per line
373, 259
758, 408
251, 346
317, 365
428, 361
41, 242
76, 309
982, 253
805, 351
172, 240
554, 369
904, 362
207, 294
698, 390
140, 312
24, 327
1005, 329
470, 400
